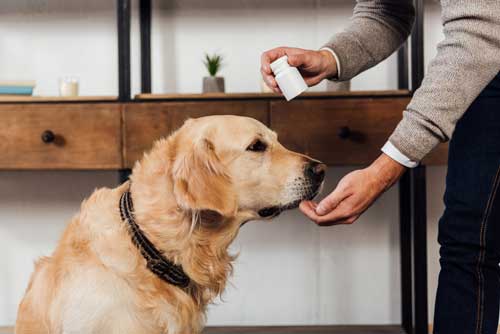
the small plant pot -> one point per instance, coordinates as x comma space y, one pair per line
213, 85
338, 86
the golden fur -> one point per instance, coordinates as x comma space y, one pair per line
191, 194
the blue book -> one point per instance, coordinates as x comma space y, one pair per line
16, 90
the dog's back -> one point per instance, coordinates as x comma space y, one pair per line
32, 315
77, 286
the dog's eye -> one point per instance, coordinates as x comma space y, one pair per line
257, 146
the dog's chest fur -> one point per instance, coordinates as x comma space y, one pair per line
101, 303
111, 290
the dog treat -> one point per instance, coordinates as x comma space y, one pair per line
288, 78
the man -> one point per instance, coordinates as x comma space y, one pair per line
459, 99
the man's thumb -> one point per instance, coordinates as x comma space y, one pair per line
328, 203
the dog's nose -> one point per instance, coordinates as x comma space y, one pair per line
315, 171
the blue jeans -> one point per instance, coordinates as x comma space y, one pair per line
468, 293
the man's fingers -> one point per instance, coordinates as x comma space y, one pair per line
297, 60
340, 216
346, 221
269, 80
267, 74
309, 209
333, 217
265, 61
313, 80
331, 201
269, 56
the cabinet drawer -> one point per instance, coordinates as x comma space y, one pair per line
347, 131
146, 122
75, 136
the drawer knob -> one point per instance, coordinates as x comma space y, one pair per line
48, 137
344, 132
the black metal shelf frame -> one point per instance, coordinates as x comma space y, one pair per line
412, 200
412, 186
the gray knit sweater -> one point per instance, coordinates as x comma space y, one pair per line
467, 60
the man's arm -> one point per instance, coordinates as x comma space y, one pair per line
467, 60
377, 29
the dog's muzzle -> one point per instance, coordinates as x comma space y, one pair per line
314, 175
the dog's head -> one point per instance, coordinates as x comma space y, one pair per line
234, 166
194, 189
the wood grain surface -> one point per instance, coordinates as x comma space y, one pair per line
144, 123
314, 127
87, 136
114, 135
34, 99
267, 96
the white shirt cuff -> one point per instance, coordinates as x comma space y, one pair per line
396, 155
336, 59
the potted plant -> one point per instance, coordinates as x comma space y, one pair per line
213, 83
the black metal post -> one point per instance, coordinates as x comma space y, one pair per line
413, 215
419, 231
145, 24
417, 46
123, 23
123, 26
124, 175
405, 233
403, 66
413, 206
418, 184
405, 245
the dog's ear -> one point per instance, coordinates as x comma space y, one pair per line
201, 181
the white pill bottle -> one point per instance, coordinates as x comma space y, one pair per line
288, 78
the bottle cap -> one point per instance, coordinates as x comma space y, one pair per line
279, 64
288, 78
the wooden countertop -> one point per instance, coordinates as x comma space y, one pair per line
253, 96
34, 99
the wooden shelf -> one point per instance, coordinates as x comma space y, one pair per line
55, 99
257, 96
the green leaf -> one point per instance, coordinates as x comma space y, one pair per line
213, 63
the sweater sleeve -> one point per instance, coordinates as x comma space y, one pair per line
467, 60
376, 30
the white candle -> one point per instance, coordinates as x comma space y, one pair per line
68, 86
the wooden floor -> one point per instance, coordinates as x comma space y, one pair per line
288, 330
306, 330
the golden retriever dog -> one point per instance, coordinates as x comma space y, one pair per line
151, 254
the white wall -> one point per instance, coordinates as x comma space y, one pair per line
289, 271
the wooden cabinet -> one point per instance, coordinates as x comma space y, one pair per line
146, 122
75, 136
338, 129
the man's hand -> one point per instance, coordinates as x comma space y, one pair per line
355, 193
313, 65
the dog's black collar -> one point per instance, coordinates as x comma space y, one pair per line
156, 262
